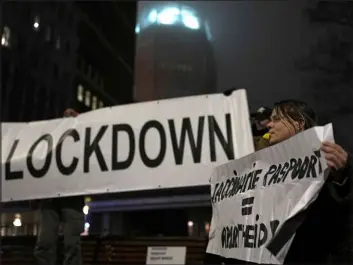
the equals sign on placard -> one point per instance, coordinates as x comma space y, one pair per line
246, 206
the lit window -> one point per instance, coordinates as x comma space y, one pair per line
101, 105
94, 102
5, 38
36, 23
17, 220
80, 93
57, 43
88, 98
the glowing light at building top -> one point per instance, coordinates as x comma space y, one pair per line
170, 15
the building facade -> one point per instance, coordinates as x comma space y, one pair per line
55, 55
105, 54
39, 45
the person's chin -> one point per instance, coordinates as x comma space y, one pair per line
272, 140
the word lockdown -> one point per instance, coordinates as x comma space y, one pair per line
137, 143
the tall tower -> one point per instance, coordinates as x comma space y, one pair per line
174, 54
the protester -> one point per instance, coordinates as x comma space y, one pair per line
322, 228
53, 212
320, 234
260, 119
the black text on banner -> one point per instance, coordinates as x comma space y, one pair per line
137, 141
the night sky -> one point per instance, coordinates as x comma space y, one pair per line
256, 45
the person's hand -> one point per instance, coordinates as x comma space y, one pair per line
335, 155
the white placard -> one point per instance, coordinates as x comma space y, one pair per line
162, 144
166, 255
256, 198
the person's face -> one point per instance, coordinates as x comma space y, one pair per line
280, 129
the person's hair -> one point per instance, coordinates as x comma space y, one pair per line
296, 111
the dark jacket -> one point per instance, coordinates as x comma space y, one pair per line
325, 234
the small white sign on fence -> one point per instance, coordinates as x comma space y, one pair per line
166, 255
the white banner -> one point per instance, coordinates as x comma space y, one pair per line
161, 144
254, 196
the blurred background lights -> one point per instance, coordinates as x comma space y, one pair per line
189, 20
87, 225
85, 209
191, 23
207, 227
17, 220
86, 229
88, 199
152, 17
36, 23
137, 29
170, 16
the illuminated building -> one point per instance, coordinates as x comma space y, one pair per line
38, 51
55, 56
174, 54
104, 72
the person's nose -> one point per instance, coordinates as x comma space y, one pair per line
270, 125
